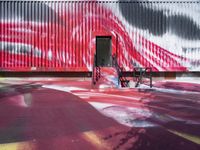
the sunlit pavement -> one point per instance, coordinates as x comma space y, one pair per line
58, 113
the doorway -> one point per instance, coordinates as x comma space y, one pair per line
103, 51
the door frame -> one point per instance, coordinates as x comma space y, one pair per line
114, 41
110, 51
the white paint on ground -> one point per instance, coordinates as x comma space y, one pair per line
132, 117
142, 86
65, 89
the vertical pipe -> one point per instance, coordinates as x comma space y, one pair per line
88, 34
9, 33
62, 38
39, 33
67, 8
49, 50
42, 31
6, 33
46, 21
54, 57
71, 37
1, 36
78, 36
84, 33
26, 34
21, 57
58, 33
74, 35
32, 37
66, 20
12, 33
59, 28
29, 39
81, 35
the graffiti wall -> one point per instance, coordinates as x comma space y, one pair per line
60, 35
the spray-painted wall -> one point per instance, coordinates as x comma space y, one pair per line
60, 35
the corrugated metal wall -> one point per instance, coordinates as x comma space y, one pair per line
60, 35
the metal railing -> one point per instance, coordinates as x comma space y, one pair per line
121, 79
96, 72
139, 73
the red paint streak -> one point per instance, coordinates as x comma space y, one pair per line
68, 45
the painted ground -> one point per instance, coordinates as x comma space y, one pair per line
58, 114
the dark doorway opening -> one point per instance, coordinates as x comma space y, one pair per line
103, 51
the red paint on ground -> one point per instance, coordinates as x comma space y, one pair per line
54, 119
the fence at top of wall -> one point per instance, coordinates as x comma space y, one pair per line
60, 36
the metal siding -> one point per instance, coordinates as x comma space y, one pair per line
60, 35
